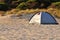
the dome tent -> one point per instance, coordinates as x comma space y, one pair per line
43, 18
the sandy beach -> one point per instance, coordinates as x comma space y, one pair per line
20, 29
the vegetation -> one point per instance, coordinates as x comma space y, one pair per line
53, 11
4, 7
57, 5
22, 6
2, 3
27, 4
31, 6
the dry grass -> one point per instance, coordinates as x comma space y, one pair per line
53, 11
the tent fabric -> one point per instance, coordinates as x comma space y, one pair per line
36, 19
43, 18
46, 18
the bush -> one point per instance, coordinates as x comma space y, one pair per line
20, 1
22, 6
32, 0
57, 5
4, 7
2, 3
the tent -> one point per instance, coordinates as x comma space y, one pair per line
43, 18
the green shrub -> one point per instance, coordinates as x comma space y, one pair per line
32, 4
22, 1
4, 7
22, 6
57, 4
32, 0
2, 3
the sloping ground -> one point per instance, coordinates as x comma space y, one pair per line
20, 29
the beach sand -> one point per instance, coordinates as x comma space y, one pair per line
20, 29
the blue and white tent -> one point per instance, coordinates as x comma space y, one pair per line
43, 18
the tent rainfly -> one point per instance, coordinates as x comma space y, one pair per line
43, 18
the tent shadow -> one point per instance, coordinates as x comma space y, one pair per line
50, 23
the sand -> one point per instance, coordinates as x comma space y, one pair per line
20, 29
